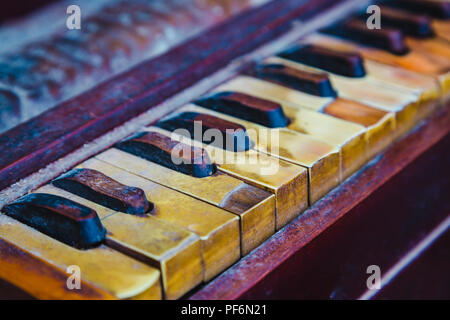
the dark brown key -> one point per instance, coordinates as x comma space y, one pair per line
99, 188
210, 130
174, 155
240, 105
414, 25
59, 218
315, 83
349, 64
388, 39
435, 9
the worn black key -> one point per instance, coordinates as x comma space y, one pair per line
99, 188
59, 218
411, 24
243, 106
209, 130
174, 155
435, 9
388, 39
348, 64
314, 83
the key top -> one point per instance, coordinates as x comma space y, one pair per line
235, 136
435, 46
287, 181
416, 60
380, 124
425, 87
311, 82
435, 9
410, 24
350, 138
175, 251
321, 158
168, 153
442, 29
62, 219
373, 93
38, 265
349, 64
217, 229
391, 40
95, 186
255, 207
264, 112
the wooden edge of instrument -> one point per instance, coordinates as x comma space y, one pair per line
314, 256
31, 145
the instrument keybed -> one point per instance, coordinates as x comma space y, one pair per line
174, 206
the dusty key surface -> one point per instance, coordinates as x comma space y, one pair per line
38, 265
380, 124
373, 93
254, 206
350, 138
321, 158
418, 61
153, 242
424, 86
289, 182
217, 229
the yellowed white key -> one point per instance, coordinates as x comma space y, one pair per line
42, 266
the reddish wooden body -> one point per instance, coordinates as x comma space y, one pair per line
375, 217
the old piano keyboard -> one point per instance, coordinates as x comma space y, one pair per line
142, 223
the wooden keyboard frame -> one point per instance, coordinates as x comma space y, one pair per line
297, 262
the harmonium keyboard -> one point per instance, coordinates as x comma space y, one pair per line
228, 149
